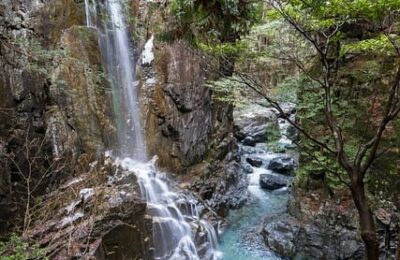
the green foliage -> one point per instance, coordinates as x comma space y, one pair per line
318, 14
215, 21
18, 249
229, 90
378, 45
336, 18
286, 90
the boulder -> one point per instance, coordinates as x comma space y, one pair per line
247, 168
249, 141
283, 165
255, 121
290, 237
280, 236
245, 150
273, 181
253, 161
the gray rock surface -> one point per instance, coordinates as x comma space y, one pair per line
254, 161
290, 237
257, 122
271, 181
284, 165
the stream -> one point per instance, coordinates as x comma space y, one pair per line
242, 239
173, 225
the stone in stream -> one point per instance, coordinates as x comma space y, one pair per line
249, 141
271, 181
255, 162
283, 165
247, 168
246, 150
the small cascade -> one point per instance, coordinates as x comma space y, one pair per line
178, 230
242, 240
175, 217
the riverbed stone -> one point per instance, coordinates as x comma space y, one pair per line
254, 161
249, 141
283, 164
272, 181
247, 168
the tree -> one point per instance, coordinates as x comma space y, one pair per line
338, 32
330, 27
218, 22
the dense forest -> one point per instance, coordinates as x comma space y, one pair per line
191, 129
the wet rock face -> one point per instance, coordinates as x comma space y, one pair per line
256, 124
180, 109
79, 92
48, 88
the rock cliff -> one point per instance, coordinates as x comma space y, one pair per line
55, 105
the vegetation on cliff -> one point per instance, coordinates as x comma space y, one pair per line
348, 92
338, 60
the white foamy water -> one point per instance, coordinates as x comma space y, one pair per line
178, 231
175, 216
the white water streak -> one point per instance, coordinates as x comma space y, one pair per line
172, 226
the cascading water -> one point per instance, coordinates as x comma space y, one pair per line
175, 215
119, 63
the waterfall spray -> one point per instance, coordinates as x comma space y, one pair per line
173, 227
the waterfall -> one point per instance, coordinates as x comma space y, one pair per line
119, 63
178, 230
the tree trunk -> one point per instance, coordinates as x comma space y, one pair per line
367, 225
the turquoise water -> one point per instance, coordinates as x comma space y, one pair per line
241, 241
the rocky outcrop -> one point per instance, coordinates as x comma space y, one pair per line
316, 228
256, 124
192, 127
97, 215
291, 238
180, 110
52, 98
320, 227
